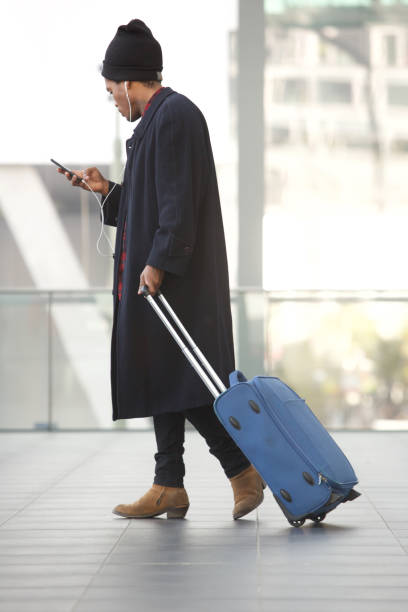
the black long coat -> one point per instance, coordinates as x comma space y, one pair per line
170, 198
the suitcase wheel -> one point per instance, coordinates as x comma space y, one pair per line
319, 518
298, 523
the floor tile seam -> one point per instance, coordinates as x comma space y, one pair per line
35, 587
276, 574
228, 565
289, 595
100, 567
238, 598
123, 559
60, 478
171, 568
258, 555
13, 599
78, 553
222, 601
24, 540
366, 495
393, 531
39, 572
250, 583
321, 599
39, 529
398, 590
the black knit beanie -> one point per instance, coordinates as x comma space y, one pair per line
133, 55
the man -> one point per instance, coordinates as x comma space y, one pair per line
169, 235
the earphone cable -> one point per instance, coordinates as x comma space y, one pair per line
102, 232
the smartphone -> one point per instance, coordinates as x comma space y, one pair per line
65, 169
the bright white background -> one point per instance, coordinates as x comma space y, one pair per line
53, 99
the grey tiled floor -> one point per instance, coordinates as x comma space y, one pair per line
61, 549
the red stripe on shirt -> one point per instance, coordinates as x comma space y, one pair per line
122, 260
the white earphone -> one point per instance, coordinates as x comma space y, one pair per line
127, 96
102, 232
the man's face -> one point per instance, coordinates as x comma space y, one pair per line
118, 92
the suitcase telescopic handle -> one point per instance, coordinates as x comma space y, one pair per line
198, 361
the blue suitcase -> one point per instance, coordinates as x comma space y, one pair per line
307, 472
305, 469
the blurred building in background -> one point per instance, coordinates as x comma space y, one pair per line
335, 93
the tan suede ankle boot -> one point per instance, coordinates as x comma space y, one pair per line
248, 488
157, 500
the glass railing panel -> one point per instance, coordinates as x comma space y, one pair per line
24, 358
80, 360
345, 352
346, 355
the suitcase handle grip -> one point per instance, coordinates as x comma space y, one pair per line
192, 353
145, 291
236, 377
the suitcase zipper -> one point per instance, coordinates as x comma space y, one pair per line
321, 477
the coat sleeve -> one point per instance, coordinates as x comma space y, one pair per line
110, 204
181, 166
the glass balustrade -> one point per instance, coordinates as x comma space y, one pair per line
344, 352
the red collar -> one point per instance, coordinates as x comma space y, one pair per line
150, 100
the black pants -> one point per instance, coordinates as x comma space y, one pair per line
169, 430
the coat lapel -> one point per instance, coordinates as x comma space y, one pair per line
151, 111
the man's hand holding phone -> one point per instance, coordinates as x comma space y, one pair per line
92, 176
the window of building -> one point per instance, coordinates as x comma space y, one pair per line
291, 91
279, 135
397, 94
334, 92
390, 49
